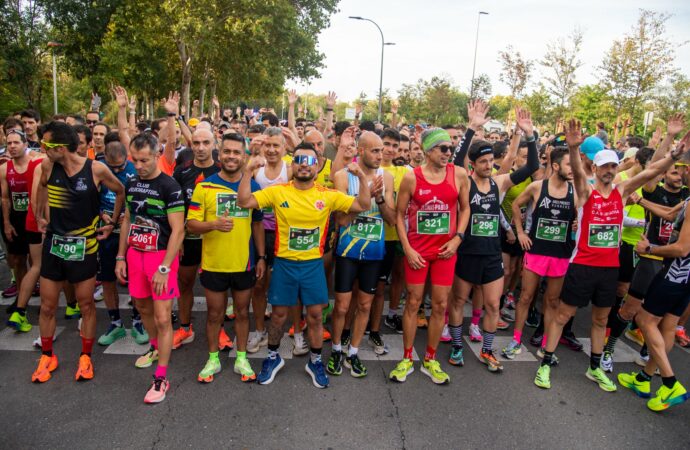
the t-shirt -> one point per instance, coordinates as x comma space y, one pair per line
324, 176
398, 173
108, 196
227, 252
149, 202
302, 217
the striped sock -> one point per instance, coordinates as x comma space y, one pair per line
488, 341
456, 334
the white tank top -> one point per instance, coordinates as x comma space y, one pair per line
261, 178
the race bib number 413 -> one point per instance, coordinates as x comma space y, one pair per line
227, 203
303, 239
603, 236
68, 248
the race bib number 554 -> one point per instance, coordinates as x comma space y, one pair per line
303, 239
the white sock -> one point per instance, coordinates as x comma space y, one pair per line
392, 312
337, 347
352, 351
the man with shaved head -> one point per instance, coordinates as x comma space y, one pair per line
188, 175
360, 251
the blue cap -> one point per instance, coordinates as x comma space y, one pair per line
591, 146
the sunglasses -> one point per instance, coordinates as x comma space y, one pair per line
445, 148
117, 169
52, 145
305, 159
92, 122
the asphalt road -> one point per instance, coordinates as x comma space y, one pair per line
477, 409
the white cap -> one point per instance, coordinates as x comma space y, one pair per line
605, 157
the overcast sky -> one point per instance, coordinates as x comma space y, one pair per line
435, 37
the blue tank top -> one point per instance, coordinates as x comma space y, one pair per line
363, 238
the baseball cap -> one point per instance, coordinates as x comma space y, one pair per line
605, 157
592, 146
193, 122
630, 153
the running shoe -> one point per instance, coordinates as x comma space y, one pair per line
230, 312
211, 368
345, 339
257, 339
512, 350
682, 338
543, 378
475, 333
640, 388
569, 340
635, 336
641, 360
300, 346
445, 335
73, 313
244, 370
317, 373
598, 376
269, 369
394, 323
402, 370
532, 318
113, 334
98, 293
46, 365
139, 333
326, 311
37, 342
667, 397
156, 393
85, 369
302, 325
456, 358
507, 314
182, 337
173, 317
326, 335
147, 359
19, 322
11, 291
490, 360
554, 358
37, 291
335, 363
606, 362
376, 342
501, 325
356, 367
536, 339
510, 301
432, 369
224, 341
422, 321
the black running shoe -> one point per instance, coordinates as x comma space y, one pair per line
568, 339
532, 318
536, 338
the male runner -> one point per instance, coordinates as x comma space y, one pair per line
595, 262
148, 256
302, 209
229, 235
69, 184
433, 204
360, 251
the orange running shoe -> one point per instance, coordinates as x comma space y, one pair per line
422, 322
46, 365
326, 335
224, 341
302, 325
682, 338
85, 369
181, 337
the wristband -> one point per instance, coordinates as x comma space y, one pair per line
329, 109
172, 114
531, 138
383, 200
120, 258
461, 236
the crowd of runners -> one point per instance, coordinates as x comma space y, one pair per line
274, 215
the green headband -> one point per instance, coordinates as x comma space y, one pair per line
434, 138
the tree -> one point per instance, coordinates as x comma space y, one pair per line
481, 87
562, 61
515, 70
540, 104
673, 96
636, 64
591, 104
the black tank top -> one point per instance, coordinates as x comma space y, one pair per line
552, 223
74, 204
482, 234
659, 230
677, 270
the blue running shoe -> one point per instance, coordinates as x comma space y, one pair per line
317, 373
269, 369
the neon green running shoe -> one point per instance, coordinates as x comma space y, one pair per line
147, 359
402, 370
665, 397
629, 380
432, 369
19, 322
73, 313
543, 378
599, 377
244, 369
113, 334
211, 368
326, 311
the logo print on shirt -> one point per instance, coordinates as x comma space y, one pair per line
81, 186
545, 203
178, 193
424, 191
476, 200
320, 205
486, 206
284, 204
555, 212
139, 203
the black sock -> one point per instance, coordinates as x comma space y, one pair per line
273, 347
669, 381
614, 311
72, 304
21, 311
618, 326
345, 334
548, 359
114, 315
47, 353
594, 360
185, 326
568, 328
643, 351
642, 376
540, 327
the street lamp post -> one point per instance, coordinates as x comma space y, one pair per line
383, 44
52, 46
476, 42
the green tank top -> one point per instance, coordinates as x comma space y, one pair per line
511, 195
631, 235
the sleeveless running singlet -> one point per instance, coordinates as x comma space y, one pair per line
31, 224
19, 184
482, 234
261, 178
631, 235
552, 222
363, 238
599, 230
432, 213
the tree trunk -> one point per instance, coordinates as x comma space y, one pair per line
213, 94
186, 61
202, 97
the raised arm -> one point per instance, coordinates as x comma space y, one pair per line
292, 99
524, 121
330, 106
477, 112
574, 137
363, 200
120, 96
511, 154
676, 124
132, 116
172, 108
394, 115
346, 149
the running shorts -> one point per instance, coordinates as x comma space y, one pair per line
347, 270
546, 266
645, 271
141, 266
583, 284
439, 270
291, 280
479, 269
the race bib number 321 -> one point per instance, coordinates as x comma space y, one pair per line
433, 222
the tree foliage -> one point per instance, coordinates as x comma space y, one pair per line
561, 61
515, 70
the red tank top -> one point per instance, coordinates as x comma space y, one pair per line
432, 213
20, 191
599, 230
